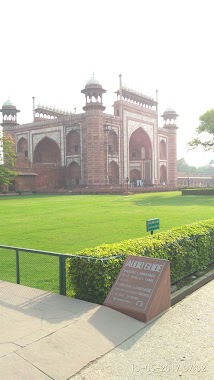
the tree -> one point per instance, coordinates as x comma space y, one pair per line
7, 162
182, 166
205, 132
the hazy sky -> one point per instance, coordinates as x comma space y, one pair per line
50, 48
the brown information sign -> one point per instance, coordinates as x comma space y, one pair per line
142, 289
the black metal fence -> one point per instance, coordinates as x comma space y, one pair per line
38, 269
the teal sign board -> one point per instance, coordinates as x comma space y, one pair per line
152, 224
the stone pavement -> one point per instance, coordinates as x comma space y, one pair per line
177, 345
48, 336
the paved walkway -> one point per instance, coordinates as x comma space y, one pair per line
48, 336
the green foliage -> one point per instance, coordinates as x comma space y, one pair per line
182, 166
91, 280
198, 191
18, 192
188, 248
7, 172
205, 132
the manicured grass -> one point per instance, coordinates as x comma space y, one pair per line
69, 223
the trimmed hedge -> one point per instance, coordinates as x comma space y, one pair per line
198, 191
188, 248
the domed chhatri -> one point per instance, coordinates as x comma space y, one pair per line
93, 95
9, 113
93, 82
8, 104
170, 111
169, 117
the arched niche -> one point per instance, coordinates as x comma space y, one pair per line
136, 154
22, 147
47, 152
135, 176
113, 173
73, 143
140, 147
113, 143
163, 175
73, 173
162, 149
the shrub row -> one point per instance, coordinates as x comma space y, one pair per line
188, 248
124, 190
198, 191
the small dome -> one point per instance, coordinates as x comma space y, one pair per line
169, 110
8, 103
8, 108
93, 82
169, 113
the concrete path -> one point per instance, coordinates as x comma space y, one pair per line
177, 345
48, 336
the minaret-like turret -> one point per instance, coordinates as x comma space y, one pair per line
94, 144
169, 117
170, 124
9, 114
93, 95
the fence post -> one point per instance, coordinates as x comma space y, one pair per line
62, 276
17, 267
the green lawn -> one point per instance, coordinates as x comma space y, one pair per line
70, 223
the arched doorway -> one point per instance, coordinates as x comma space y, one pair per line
73, 143
47, 152
140, 152
22, 147
113, 173
163, 175
162, 148
113, 145
135, 176
140, 146
73, 174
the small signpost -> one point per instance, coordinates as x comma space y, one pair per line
152, 224
142, 288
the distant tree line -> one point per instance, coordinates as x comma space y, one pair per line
184, 168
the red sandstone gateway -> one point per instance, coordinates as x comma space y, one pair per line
64, 150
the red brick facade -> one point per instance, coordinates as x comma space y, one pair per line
94, 149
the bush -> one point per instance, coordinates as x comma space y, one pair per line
188, 248
198, 191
